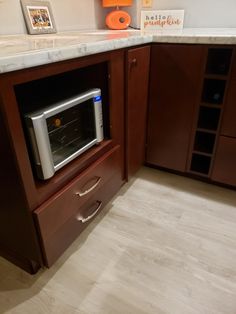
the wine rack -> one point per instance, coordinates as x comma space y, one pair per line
210, 109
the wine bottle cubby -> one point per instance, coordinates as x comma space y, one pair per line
218, 61
213, 91
208, 118
204, 142
200, 164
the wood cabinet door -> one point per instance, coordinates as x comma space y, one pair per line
224, 168
137, 94
175, 84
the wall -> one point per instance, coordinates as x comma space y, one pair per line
88, 14
198, 13
68, 15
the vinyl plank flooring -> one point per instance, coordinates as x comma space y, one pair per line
165, 245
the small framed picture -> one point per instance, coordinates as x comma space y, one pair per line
38, 17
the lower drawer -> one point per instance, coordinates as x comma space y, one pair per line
53, 213
55, 244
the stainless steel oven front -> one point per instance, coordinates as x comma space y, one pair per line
64, 130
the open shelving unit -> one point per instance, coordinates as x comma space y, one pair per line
210, 109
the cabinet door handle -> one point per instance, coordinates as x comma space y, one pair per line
132, 63
82, 193
85, 219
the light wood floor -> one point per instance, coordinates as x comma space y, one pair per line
165, 244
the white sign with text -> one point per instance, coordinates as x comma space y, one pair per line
162, 20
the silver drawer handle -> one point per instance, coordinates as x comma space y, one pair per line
90, 189
83, 220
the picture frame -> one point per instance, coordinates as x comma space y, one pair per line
38, 17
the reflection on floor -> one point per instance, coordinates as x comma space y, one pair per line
165, 244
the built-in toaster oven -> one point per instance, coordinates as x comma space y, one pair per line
64, 130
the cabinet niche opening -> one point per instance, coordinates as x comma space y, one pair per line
38, 94
200, 164
218, 61
208, 118
204, 142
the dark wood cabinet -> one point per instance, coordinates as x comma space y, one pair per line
224, 169
175, 84
189, 90
137, 77
32, 208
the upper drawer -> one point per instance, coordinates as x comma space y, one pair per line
59, 208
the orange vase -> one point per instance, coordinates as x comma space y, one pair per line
118, 19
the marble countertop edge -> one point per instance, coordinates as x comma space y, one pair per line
24, 51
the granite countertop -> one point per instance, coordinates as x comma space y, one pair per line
24, 51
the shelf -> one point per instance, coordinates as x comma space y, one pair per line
199, 174
208, 118
213, 91
201, 153
206, 130
216, 77
210, 105
218, 61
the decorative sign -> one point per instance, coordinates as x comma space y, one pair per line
162, 20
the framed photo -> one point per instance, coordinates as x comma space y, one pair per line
38, 17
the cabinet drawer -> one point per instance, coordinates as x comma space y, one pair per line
58, 209
59, 241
